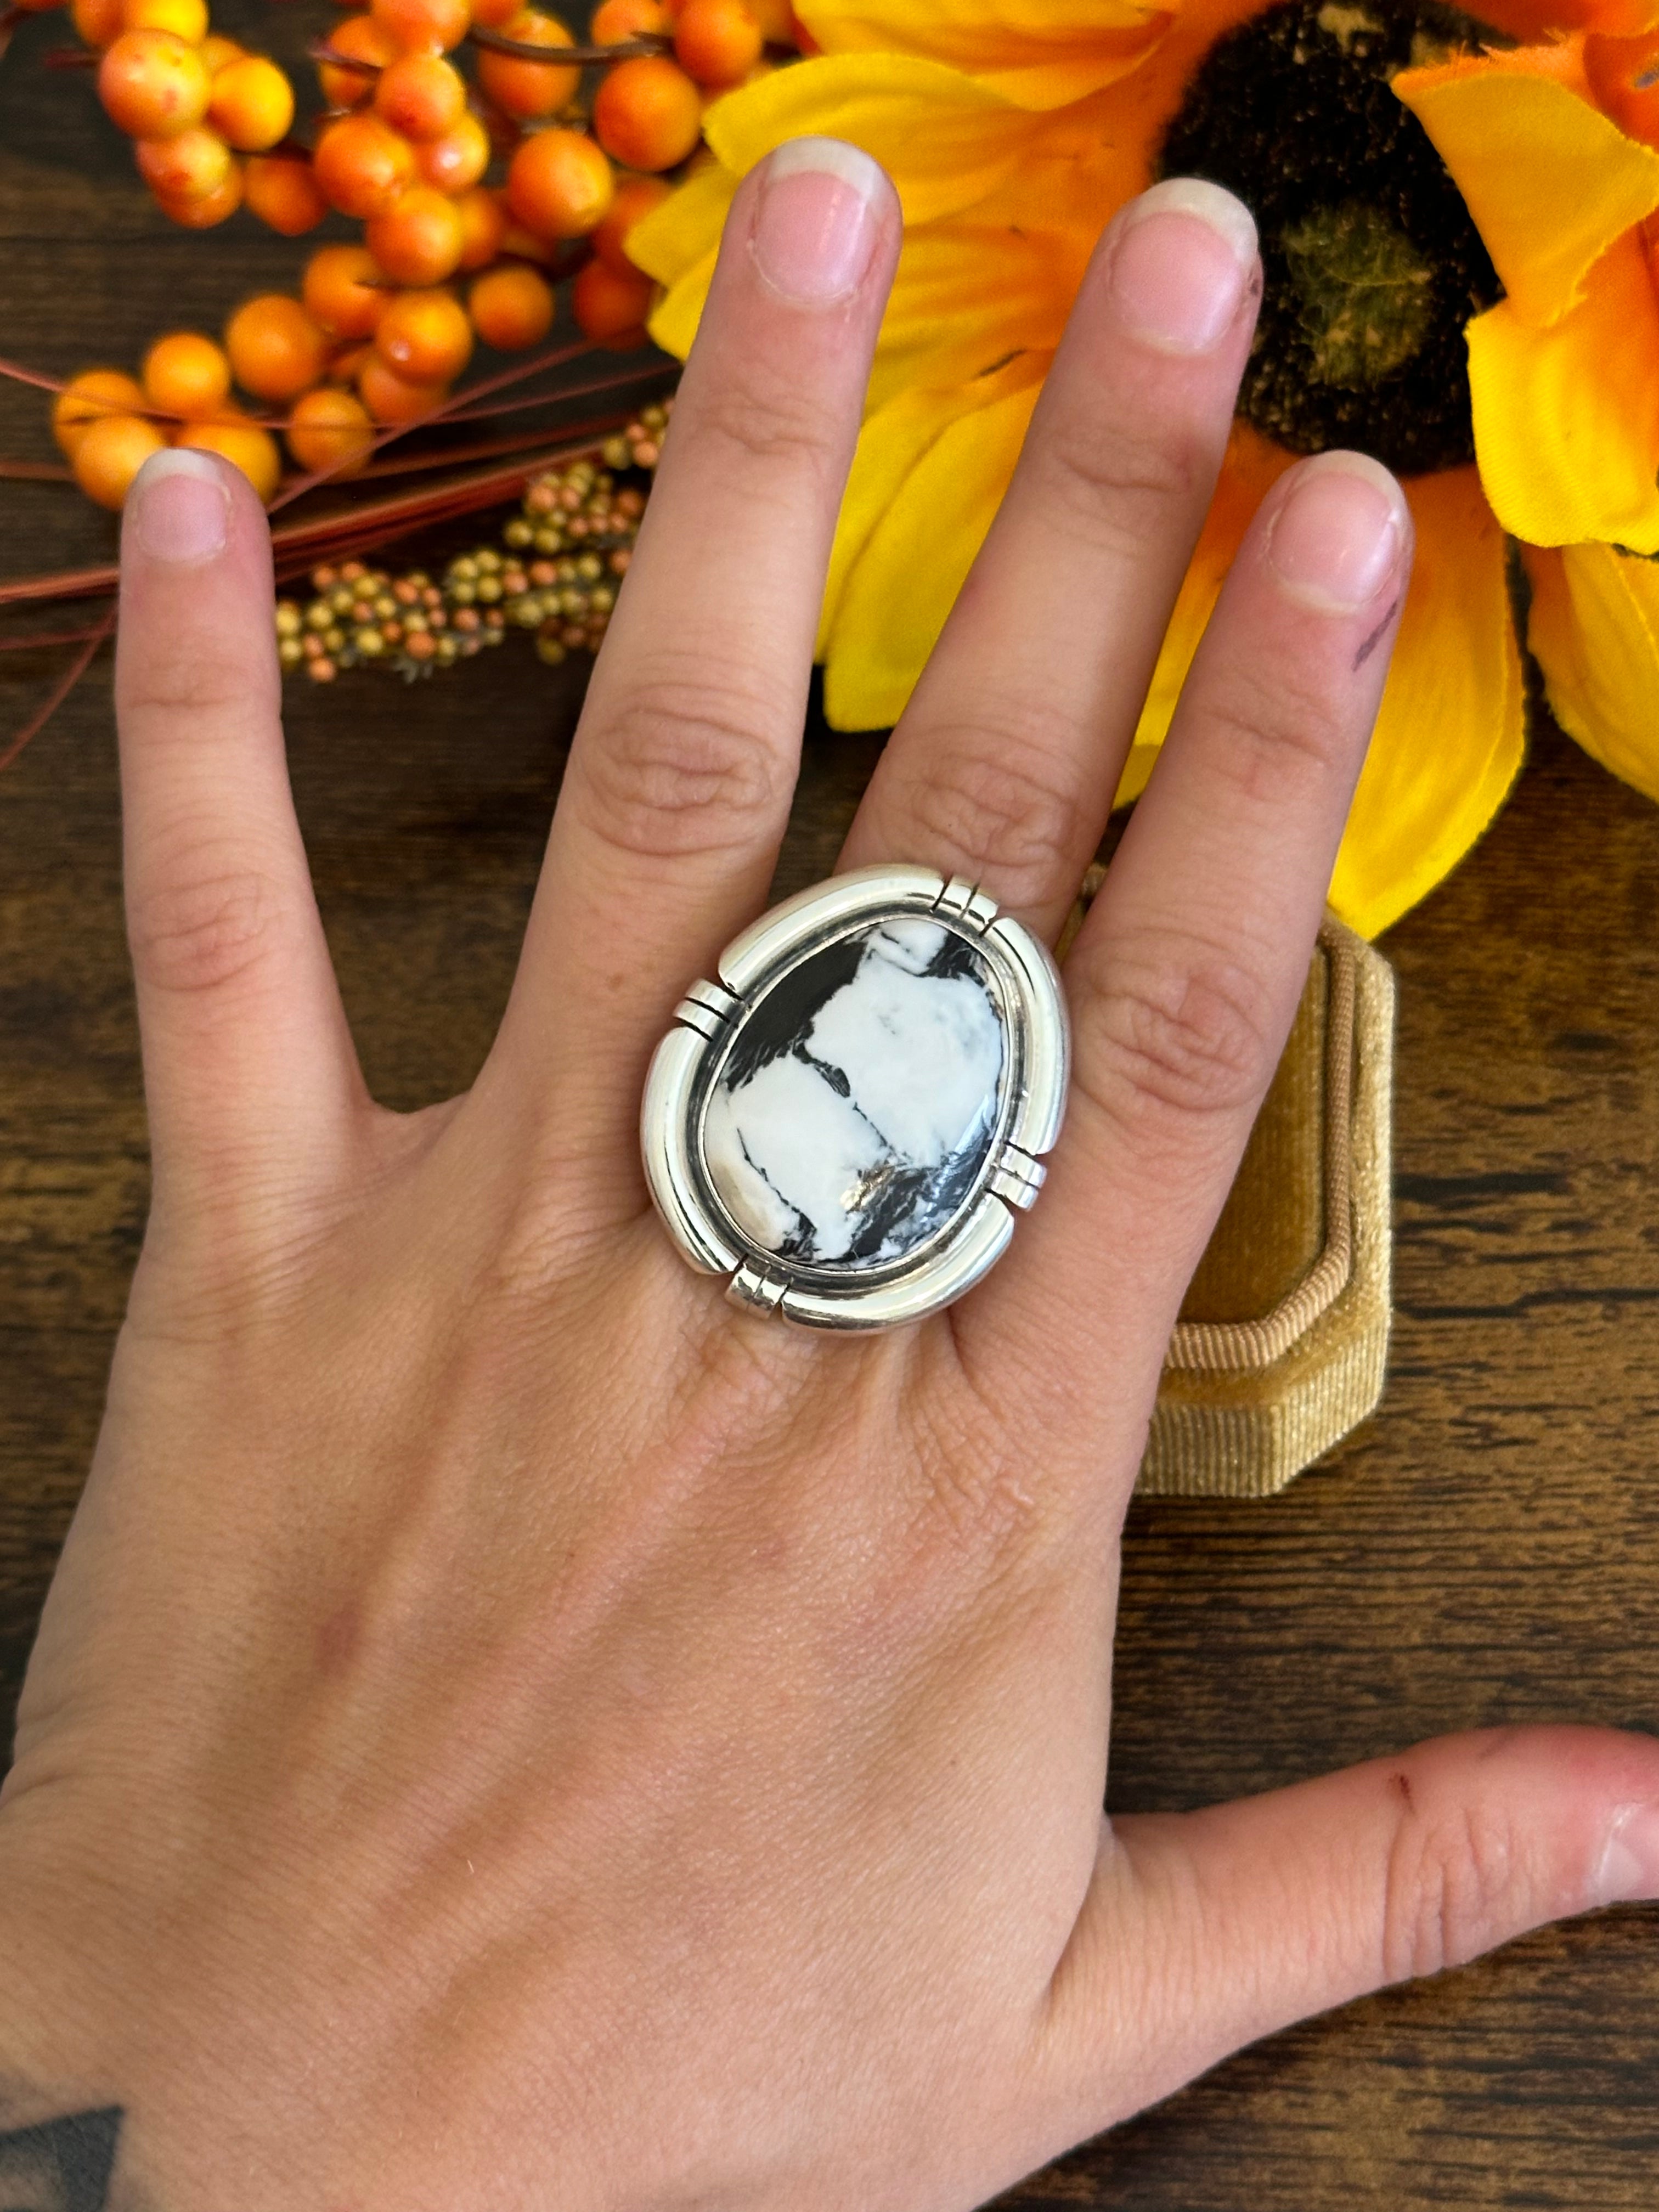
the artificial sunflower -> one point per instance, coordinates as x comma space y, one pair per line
1411, 184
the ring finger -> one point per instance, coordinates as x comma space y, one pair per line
1003, 766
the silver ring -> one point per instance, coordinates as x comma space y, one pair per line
847, 1122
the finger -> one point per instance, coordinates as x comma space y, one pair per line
1002, 767
678, 784
1184, 980
249, 1070
1202, 1932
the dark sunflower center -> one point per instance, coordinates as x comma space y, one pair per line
1372, 264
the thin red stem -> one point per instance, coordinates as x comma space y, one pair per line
624, 50
319, 50
60, 691
50, 637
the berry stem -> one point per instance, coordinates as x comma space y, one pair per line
568, 57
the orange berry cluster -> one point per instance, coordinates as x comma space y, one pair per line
555, 572
405, 146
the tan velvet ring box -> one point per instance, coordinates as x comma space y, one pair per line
1283, 1334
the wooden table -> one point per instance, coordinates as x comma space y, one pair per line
1487, 1551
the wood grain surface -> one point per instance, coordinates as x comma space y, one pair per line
1487, 1551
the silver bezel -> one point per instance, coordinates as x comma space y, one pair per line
1031, 1102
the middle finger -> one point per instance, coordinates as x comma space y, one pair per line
679, 783
1004, 765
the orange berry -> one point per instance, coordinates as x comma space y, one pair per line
109, 453
361, 166
424, 338
523, 244
391, 398
511, 307
206, 208
777, 21
187, 167
635, 198
418, 240
648, 113
430, 27
456, 161
282, 191
330, 429
218, 52
152, 84
347, 365
244, 446
252, 103
97, 21
495, 15
343, 291
363, 40
481, 225
610, 307
616, 21
185, 19
559, 184
87, 397
276, 349
528, 89
717, 41
186, 373
423, 95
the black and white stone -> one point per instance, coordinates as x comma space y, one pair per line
851, 1117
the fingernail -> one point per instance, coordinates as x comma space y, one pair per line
1339, 535
1184, 256
816, 227
180, 506
1630, 1864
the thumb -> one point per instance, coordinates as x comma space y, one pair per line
1202, 1932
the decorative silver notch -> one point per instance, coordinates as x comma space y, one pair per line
845, 1123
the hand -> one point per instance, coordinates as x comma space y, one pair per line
510, 1729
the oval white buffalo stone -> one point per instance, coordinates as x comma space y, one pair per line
852, 1113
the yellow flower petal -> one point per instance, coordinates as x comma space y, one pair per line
1550, 181
947, 140
968, 296
1566, 420
1451, 732
1042, 53
930, 471
679, 233
1595, 627
1252, 466
678, 244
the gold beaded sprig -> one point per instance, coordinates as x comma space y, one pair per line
555, 572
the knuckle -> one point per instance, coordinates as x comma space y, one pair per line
1187, 1039
767, 420
204, 929
1117, 482
977, 1492
196, 694
1273, 741
1450, 1875
683, 766
999, 803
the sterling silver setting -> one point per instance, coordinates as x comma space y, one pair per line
847, 1121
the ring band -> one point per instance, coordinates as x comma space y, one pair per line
847, 1122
